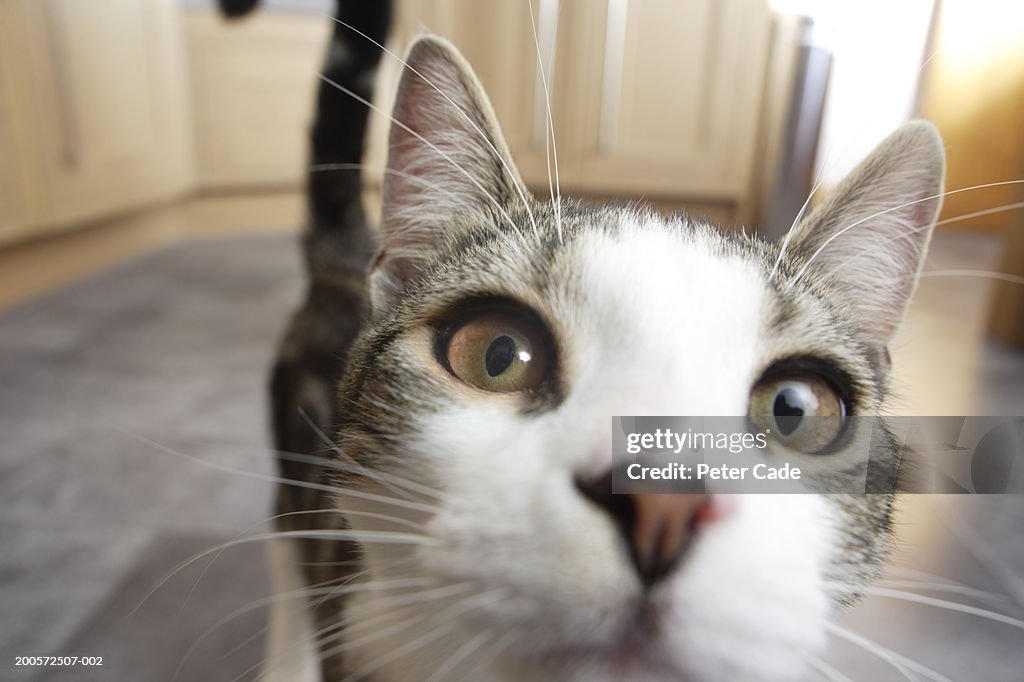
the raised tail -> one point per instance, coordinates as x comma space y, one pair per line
338, 237
234, 9
338, 241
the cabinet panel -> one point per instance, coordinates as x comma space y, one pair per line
675, 89
19, 203
658, 97
14, 214
110, 89
253, 84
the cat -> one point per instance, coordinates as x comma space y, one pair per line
463, 363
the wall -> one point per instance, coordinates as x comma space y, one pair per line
975, 95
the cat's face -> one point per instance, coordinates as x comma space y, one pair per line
505, 334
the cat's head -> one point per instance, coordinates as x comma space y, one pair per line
507, 331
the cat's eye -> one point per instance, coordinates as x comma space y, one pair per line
801, 410
500, 352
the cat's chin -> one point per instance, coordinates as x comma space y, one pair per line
630, 657
642, 647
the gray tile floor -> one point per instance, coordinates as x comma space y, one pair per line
169, 350
117, 394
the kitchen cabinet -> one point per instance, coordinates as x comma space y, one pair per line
94, 106
660, 97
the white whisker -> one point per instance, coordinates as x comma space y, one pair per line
828, 671
902, 663
339, 491
935, 602
284, 596
871, 251
453, 661
383, 479
447, 157
550, 148
861, 221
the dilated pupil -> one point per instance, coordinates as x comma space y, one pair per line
500, 355
788, 410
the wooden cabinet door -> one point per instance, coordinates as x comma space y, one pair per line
253, 87
19, 198
110, 94
502, 43
666, 95
655, 97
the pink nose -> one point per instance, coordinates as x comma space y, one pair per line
657, 527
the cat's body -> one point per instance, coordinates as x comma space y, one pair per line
484, 355
338, 246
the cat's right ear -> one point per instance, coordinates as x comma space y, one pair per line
447, 162
868, 240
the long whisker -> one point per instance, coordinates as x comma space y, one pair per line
902, 663
284, 596
993, 563
398, 602
219, 553
383, 480
344, 466
500, 646
823, 171
945, 587
324, 584
550, 148
984, 274
436, 633
861, 221
337, 490
818, 181
403, 624
462, 112
453, 661
188, 562
336, 630
323, 631
366, 536
828, 671
983, 212
877, 247
937, 603
447, 157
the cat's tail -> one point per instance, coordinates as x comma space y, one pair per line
237, 8
339, 241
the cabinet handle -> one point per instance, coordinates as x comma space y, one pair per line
611, 90
66, 104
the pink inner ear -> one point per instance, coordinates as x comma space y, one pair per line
447, 161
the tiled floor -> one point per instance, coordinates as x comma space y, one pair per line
109, 386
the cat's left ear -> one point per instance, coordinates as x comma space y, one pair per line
447, 162
868, 240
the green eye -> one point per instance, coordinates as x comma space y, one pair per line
802, 411
498, 352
